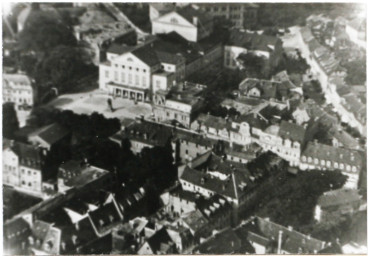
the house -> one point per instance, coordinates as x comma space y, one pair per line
15, 236
356, 30
242, 104
22, 167
127, 237
241, 15
242, 42
159, 243
324, 157
285, 140
181, 104
144, 134
268, 237
212, 126
188, 21
182, 237
225, 242
335, 204
187, 145
49, 137
17, 88
257, 88
74, 174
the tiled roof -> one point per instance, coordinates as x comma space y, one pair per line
167, 57
105, 217
51, 133
195, 220
194, 138
147, 54
150, 133
29, 155
292, 241
292, 131
333, 154
226, 242
160, 237
40, 229
120, 49
188, 12
338, 197
13, 228
215, 122
252, 41
252, 120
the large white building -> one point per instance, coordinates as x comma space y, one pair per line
188, 21
17, 88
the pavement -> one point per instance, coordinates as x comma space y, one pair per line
96, 101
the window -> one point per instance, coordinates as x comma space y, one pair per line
130, 68
29, 172
29, 184
136, 79
123, 77
144, 71
186, 151
173, 20
143, 80
116, 75
130, 78
158, 84
328, 163
137, 69
123, 66
167, 114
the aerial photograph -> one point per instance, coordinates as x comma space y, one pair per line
184, 128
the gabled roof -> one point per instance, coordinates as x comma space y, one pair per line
333, 154
51, 133
252, 41
226, 242
195, 220
147, 54
291, 131
338, 197
105, 217
40, 229
29, 155
160, 237
188, 12
14, 228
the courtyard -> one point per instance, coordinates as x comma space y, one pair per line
97, 101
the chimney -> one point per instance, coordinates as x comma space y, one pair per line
77, 225
279, 242
195, 21
290, 228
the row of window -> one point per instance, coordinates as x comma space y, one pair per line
127, 78
329, 164
131, 68
29, 172
183, 117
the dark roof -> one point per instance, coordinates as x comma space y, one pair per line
150, 133
267, 88
218, 123
263, 230
40, 229
291, 131
333, 154
147, 54
119, 49
252, 41
195, 220
188, 12
51, 133
214, 207
338, 197
12, 228
105, 217
29, 155
167, 57
252, 120
194, 138
226, 242
160, 237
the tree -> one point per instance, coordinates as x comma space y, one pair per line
293, 202
252, 63
356, 72
10, 120
43, 32
61, 67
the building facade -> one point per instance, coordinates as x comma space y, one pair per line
17, 88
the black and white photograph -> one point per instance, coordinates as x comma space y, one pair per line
184, 128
